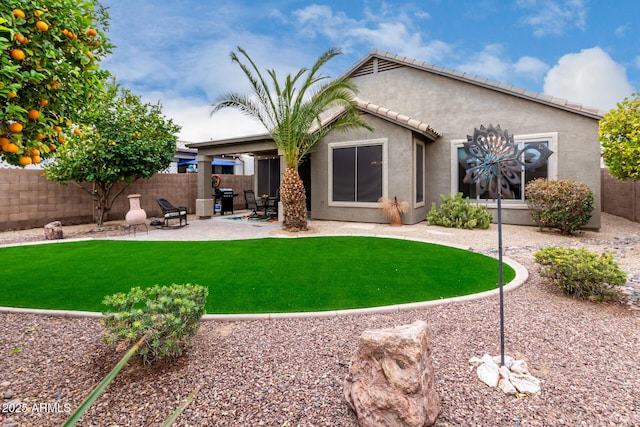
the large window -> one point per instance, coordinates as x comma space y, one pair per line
517, 195
356, 172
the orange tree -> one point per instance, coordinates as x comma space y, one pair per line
49, 54
122, 141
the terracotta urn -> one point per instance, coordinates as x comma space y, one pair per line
136, 215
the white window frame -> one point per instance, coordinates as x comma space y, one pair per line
346, 144
552, 166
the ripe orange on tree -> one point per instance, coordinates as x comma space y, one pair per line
25, 160
42, 26
91, 32
17, 54
60, 138
18, 13
15, 127
42, 102
4, 142
34, 114
36, 159
12, 95
57, 129
11, 148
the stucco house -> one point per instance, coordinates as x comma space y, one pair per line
421, 115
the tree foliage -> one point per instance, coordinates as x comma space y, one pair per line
620, 137
122, 141
49, 54
291, 109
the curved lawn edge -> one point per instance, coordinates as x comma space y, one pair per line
520, 278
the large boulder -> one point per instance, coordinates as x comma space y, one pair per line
53, 230
391, 379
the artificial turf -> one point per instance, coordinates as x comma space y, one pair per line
246, 276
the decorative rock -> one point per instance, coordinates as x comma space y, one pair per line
506, 386
520, 367
7, 395
475, 362
4, 385
391, 381
511, 379
525, 383
489, 374
508, 361
53, 230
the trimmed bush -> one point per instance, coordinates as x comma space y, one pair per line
581, 273
457, 212
168, 316
563, 204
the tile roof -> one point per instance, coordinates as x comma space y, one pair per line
390, 61
399, 119
384, 113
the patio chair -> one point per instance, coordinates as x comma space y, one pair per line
253, 204
172, 212
271, 205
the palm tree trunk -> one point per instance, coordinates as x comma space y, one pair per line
294, 201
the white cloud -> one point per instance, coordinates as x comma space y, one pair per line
198, 125
492, 63
589, 77
552, 17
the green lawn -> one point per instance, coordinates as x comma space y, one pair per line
246, 276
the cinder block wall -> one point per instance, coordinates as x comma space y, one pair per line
28, 199
620, 198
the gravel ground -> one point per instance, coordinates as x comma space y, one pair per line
290, 372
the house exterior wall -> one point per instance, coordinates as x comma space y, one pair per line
399, 173
454, 108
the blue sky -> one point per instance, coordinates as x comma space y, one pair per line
177, 51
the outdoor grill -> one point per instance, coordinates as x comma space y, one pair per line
225, 195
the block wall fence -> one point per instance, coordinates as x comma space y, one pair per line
620, 198
29, 200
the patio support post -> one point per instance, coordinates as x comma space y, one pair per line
204, 200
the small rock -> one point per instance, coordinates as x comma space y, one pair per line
508, 361
525, 383
489, 374
519, 367
475, 362
506, 386
53, 231
4, 385
8, 395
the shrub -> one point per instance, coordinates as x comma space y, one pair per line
459, 213
167, 316
563, 204
580, 272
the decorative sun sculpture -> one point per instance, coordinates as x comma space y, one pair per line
494, 162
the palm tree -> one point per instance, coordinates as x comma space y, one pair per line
290, 111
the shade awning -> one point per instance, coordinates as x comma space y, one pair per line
215, 162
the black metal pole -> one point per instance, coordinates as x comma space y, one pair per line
500, 272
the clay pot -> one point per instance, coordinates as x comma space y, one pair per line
136, 215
